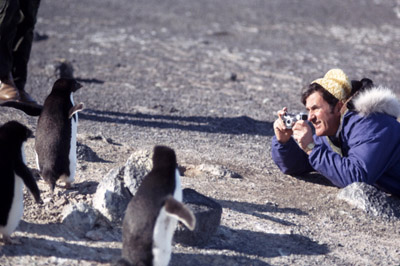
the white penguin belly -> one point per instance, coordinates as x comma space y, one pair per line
72, 153
17, 208
178, 190
37, 161
164, 230
72, 150
162, 238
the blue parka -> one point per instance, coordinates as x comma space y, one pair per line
365, 149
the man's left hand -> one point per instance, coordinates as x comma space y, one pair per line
302, 133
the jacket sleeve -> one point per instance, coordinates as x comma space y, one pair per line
290, 158
369, 150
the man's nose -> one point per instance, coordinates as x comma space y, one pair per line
311, 116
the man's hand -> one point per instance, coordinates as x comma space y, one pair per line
281, 132
302, 133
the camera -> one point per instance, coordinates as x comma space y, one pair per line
289, 119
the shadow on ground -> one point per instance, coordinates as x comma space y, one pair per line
315, 178
213, 259
32, 246
223, 125
265, 245
259, 210
59, 230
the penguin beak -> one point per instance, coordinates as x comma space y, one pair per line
77, 86
29, 134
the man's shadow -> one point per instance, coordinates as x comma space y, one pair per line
260, 210
315, 178
223, 125
252, 244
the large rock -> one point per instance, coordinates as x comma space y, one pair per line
120, 184
80, 218
136, 168
208, 218
371, 200
112, 197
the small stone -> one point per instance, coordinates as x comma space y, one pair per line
85, 153
94, 235
217, 171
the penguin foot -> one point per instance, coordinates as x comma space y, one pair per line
36, 174
68, 185
64, 184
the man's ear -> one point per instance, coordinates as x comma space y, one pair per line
339, 106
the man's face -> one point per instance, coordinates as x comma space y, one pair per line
325, 120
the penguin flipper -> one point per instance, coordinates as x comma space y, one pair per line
178, 210
23, 171
74, 109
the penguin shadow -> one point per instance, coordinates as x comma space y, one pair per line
259, 210
225, 125
59, 230
51, 229
266, 245
178, 259
36, 246
85, 153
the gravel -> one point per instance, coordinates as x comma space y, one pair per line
206, 78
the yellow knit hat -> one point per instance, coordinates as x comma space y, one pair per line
336, 82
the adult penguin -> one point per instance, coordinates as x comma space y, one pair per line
152, 214
13, 175
56, 130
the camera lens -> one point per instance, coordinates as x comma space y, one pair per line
288, 122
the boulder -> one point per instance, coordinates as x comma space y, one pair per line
80, 218
208, 218
112, 197
371, 200
136, 168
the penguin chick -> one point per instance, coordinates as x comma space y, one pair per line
14, 174
55, 142
152, 214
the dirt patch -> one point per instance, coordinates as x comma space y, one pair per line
206, 78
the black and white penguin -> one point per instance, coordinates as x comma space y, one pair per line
152, 215
13, 175
56, 130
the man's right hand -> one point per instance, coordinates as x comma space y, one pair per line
281, 132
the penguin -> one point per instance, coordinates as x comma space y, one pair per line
13, 175
152, 214
55, 142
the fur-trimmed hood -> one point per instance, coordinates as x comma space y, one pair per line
377, 100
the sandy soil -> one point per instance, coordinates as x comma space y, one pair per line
206, 78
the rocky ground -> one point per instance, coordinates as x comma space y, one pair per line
206, 78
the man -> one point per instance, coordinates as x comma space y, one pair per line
17, 20
354, 141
